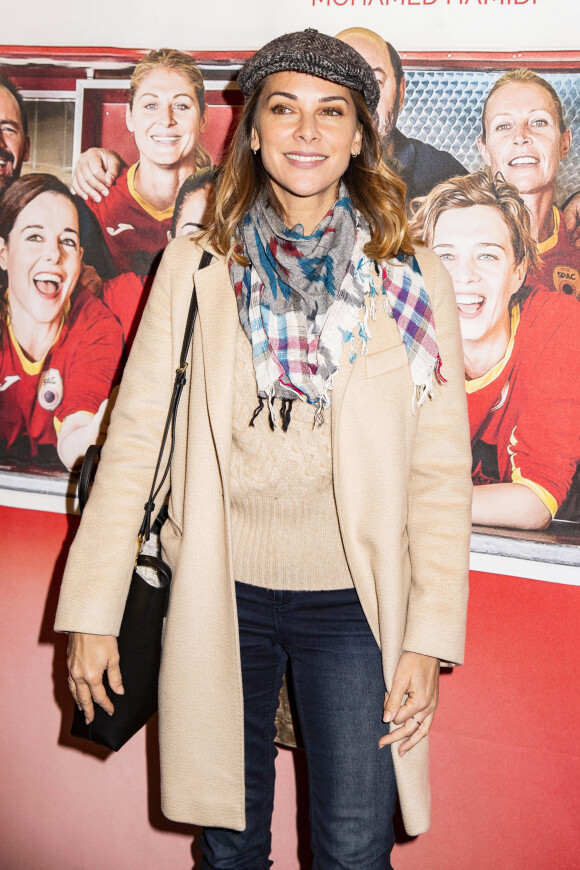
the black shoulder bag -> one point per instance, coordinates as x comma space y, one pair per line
139, 638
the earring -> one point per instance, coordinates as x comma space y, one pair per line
255, 151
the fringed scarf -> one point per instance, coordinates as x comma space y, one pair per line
301, 299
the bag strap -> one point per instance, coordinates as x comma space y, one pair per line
180, 379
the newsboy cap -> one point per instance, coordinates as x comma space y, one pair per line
308, 51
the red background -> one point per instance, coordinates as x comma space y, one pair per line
505, 756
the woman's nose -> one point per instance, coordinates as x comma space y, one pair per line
307, 127
464, 273
168, 116
51, 251
521, 132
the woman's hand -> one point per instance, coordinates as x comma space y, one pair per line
95, 172
416, 676
88, 657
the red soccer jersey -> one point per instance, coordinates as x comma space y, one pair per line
524, 414
560, 261
77, 374
126, 296
135, 231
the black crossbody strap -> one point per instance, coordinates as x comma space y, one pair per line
94, 450
180, 380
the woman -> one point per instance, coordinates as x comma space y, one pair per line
166, 114
524, 136
296, 541
59, 348
520, 348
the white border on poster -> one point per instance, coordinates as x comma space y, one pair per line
411, 25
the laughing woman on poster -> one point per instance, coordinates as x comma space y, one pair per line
520, 347
59, 346
319, 509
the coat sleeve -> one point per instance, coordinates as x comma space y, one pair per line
439, 494
100, 562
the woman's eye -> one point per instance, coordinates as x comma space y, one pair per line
539, 122
446, 257
487, 257
502, 127
280, 110
181, 107
34, 237
70, 242
332, 111
150, 106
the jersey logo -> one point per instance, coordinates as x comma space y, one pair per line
567, 279
50, 389
502, 397
8, 381
120, 228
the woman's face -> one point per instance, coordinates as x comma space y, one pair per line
475, 246
306, 129
165, 119
523, 138
42, 258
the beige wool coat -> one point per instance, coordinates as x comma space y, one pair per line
403, 492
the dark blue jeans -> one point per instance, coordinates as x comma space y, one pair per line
339, 688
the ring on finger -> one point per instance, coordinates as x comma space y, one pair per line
416, 720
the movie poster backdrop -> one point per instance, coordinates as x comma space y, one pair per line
442, 107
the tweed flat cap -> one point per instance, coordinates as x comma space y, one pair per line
317, 54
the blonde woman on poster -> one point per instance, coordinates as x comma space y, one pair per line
166, 114
320, 493
520, 346
524, 137
60, 347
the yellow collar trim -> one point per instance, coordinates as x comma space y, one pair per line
29, 366
163, 215
477, 383
552, 240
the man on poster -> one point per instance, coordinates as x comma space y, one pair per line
14, 139
421, 166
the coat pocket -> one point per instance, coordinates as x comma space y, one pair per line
386, 361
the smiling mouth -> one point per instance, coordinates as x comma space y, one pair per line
523, 161
6, 165
47, 284
307, 159
469, 304
166, 140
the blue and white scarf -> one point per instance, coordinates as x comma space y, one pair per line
302, 298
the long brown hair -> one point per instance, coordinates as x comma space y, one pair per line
177, 61
13, 201
374, 188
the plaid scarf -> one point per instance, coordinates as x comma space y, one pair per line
301, 299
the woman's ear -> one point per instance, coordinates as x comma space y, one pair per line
129, 119
3, 254
484, 151
565, 142
357, 143
254, 140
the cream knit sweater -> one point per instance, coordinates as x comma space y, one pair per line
285, 531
